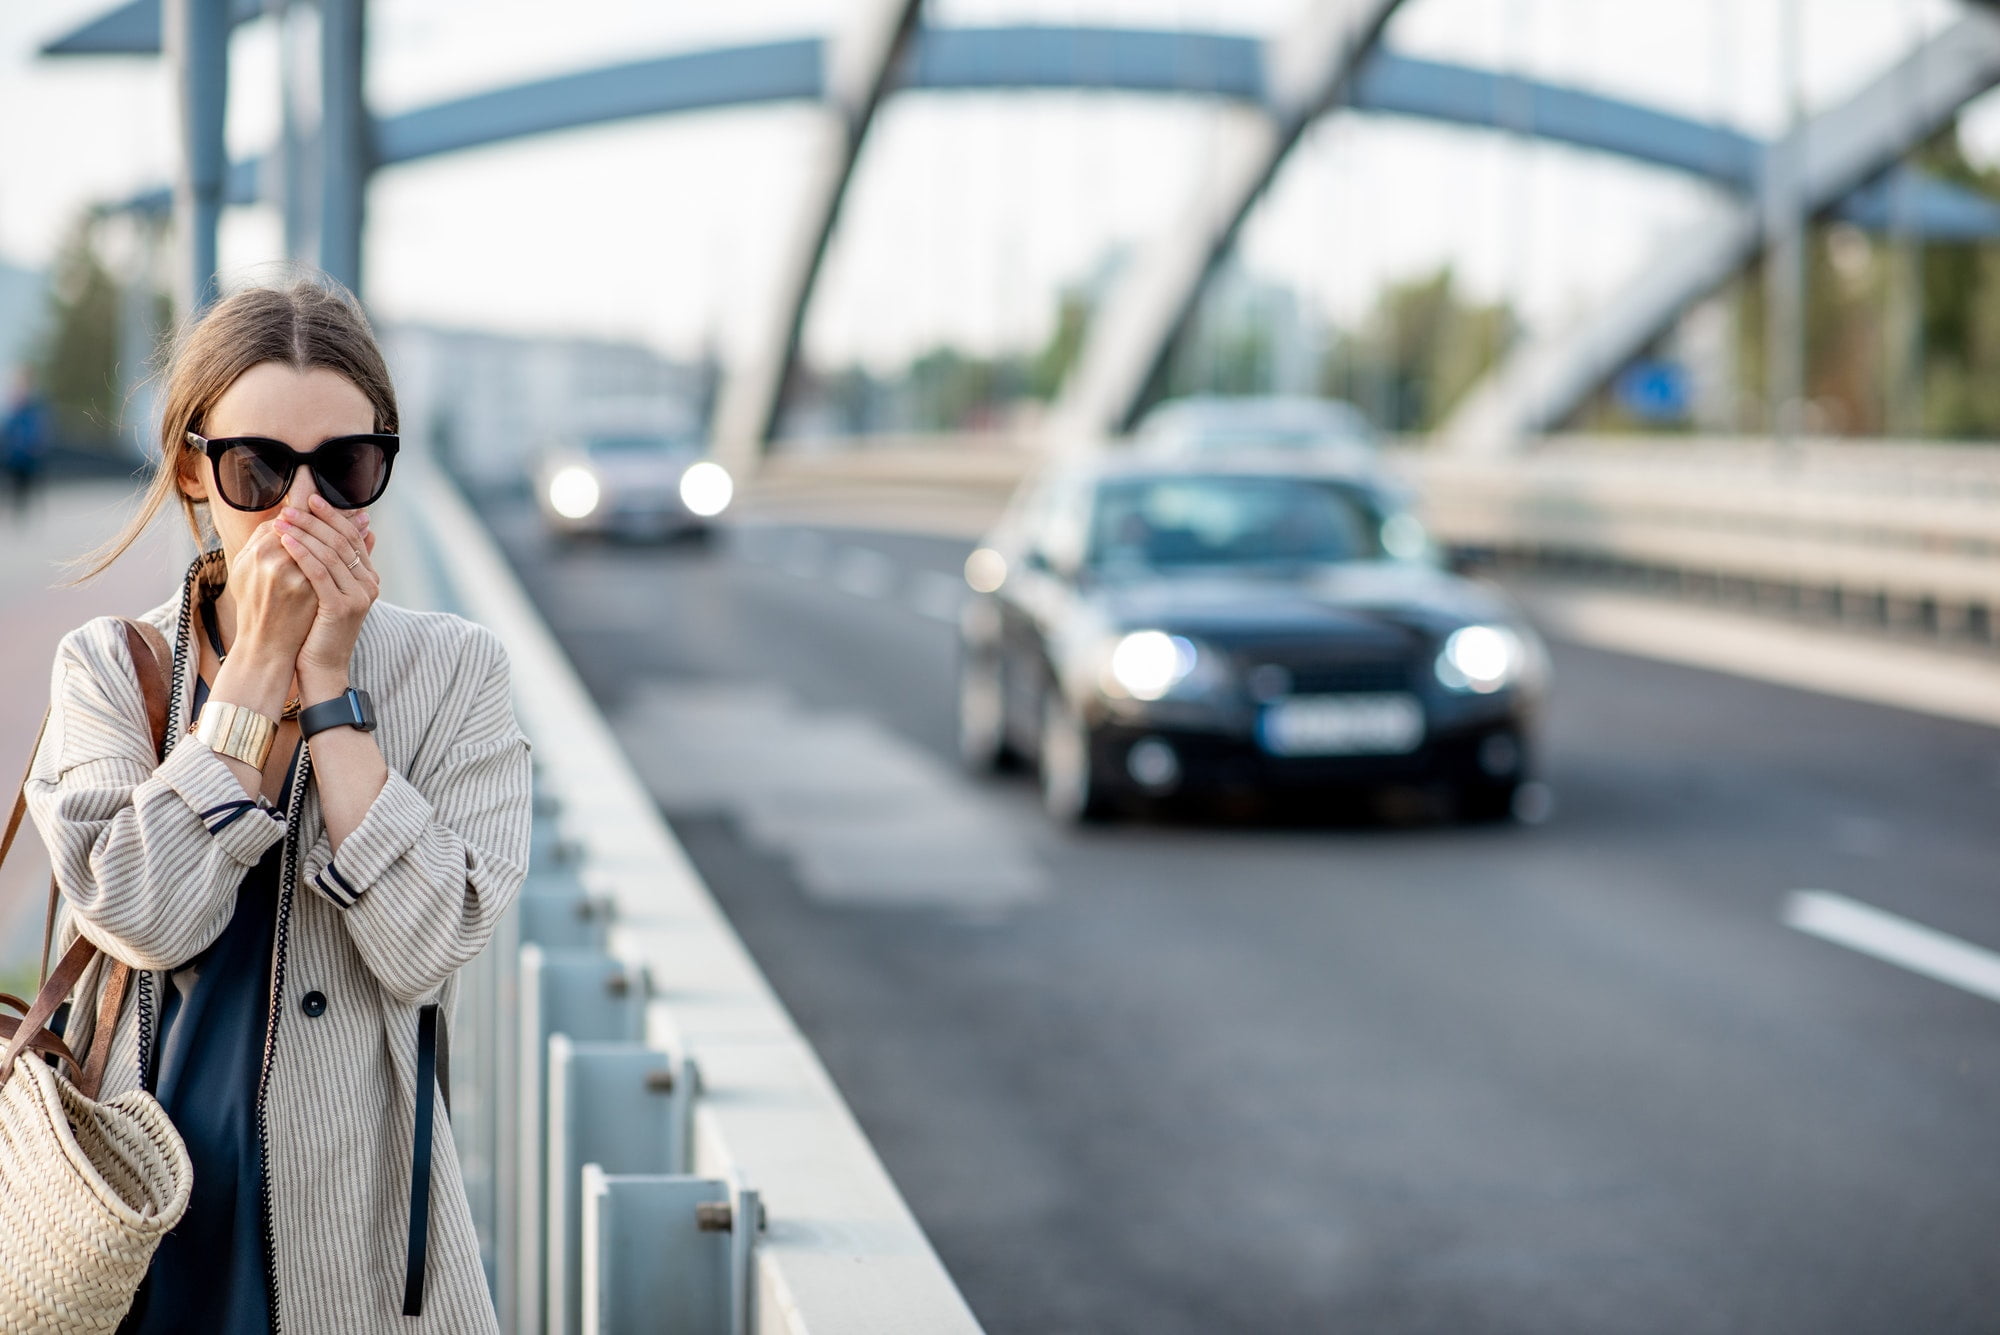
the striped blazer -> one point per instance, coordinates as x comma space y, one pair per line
149, 854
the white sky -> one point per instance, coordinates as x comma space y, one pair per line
969, 211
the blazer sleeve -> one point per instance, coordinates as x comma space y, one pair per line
425, 876
148, 854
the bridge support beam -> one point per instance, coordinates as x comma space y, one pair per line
859, 62
346, 151
196, 36
1307, 70
1825, 159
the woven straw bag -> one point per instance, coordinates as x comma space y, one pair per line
87, 1188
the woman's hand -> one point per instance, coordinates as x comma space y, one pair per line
273, 600
331, 548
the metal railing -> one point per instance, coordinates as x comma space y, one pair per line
648, 1142
1884, 531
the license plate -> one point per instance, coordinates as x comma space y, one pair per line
1383, 724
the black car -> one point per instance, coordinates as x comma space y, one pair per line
1142, 628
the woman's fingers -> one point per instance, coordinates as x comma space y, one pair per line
266, 547
315, 569
346, 526
299, 539
335, 547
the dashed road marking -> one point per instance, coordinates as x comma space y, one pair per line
1913, 946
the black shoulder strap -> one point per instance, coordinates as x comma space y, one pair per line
420, 1162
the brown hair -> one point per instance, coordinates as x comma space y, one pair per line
306, 323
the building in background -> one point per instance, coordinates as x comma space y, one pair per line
489, 403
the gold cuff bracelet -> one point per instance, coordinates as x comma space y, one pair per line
234, 731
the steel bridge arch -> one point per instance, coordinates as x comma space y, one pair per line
1230, 67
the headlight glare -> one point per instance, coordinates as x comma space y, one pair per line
573, 492
706, 489
1146, 664
1481, 659
985, 570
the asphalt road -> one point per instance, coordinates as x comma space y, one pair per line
1381, 1077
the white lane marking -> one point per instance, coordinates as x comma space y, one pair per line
1915, 947
936, 595
864, 573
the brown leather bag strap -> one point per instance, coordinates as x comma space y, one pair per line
150, 657
40, 1042
74, 961
21, 796
14, 828
110, 997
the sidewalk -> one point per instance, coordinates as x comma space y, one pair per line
66, 520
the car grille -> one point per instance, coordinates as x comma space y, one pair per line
1335, 677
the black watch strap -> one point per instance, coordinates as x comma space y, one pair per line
350, 709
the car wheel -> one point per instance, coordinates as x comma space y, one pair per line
1071, 793
982, 715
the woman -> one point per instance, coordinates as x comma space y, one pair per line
302, 876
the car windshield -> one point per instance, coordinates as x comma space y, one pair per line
1224, 439
1164, 523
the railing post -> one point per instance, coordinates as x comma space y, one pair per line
626, 1108
667, 1255
583, 995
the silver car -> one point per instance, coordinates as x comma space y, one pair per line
633, 485
1212, 426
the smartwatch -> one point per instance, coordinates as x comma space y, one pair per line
350, 709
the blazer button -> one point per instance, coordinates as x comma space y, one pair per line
313, 1003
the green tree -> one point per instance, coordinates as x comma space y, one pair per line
77, 365
1421, 347
1051, 366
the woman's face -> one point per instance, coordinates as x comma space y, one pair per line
300, 408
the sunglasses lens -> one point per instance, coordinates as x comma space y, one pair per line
350, 474
251, 477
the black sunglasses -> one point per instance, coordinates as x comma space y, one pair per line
255, 472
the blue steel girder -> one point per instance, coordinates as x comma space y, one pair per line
1544, 378
1027, 59
1309, 68
859, 64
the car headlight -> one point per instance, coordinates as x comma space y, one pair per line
573, 492
1481, 659
1152, 664
706, 489
985, 570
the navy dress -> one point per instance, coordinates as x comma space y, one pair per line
209, 1272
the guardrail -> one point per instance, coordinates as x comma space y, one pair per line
1886, 531
1881, 531
648, 1142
